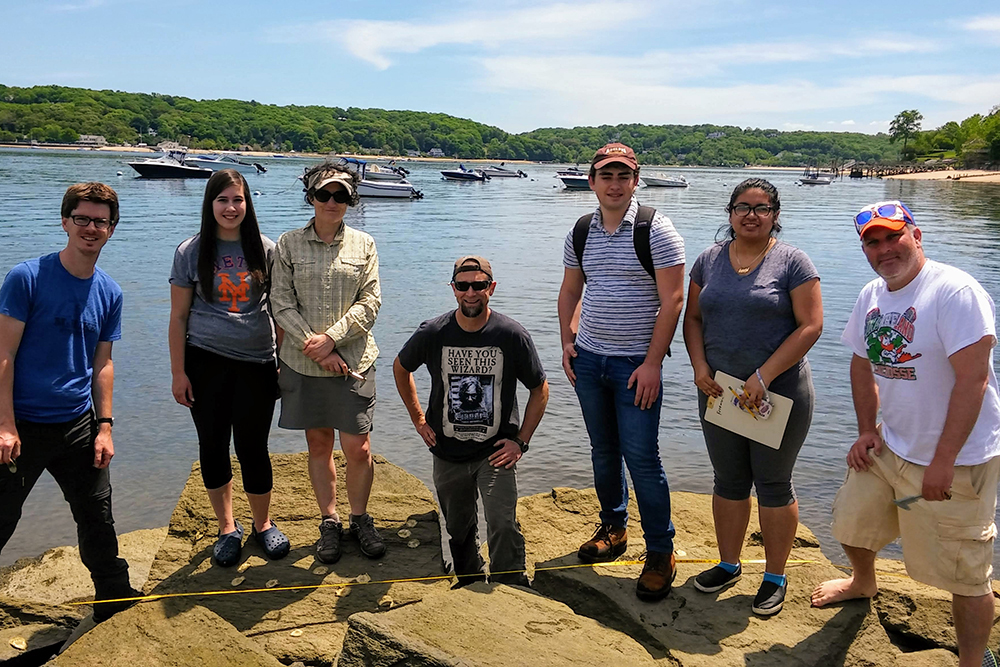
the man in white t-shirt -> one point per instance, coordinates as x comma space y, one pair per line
922, 336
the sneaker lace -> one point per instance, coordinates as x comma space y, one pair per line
366, 532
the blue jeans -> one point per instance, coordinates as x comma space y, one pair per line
623, 435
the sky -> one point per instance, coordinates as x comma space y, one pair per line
849, 65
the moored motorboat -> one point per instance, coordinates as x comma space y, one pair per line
169, 165
657, 180
494, 171
391, 190
217, 162
375, 172
814, 177
463, 174
575, 182
572, 171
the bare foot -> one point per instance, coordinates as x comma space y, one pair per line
838, 590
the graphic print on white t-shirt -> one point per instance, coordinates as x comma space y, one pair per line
887, 339
473, 377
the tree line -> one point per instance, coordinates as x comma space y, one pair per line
974, 142
62, 114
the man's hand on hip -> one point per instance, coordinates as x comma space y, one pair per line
646, 380
508, 454
858, 457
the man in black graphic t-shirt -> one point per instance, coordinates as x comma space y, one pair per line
476, 357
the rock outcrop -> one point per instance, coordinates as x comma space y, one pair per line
399, 610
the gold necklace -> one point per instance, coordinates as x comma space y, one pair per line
743, 270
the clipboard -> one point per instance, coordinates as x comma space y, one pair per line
725, 411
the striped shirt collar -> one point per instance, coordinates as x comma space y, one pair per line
628, 219
310, 234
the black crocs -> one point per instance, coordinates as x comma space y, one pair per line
274, 542
226, 551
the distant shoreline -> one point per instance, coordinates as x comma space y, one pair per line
963, 175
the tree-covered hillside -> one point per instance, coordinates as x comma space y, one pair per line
60, 114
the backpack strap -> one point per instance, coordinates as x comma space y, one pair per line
640, 238
580, 232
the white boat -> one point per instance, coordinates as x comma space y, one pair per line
385, 189
656, 180
501, 171
813, 177
575, 182
375, 172
463, 174
572, 171
218, 162
170, 165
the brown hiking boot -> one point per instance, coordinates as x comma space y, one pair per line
608, 543
657, 575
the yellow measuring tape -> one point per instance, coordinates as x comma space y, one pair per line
345, 584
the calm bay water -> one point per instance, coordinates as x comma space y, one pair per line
519, 224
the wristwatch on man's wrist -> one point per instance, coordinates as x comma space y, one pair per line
521, 443
110, 421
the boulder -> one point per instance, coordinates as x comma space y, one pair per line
31, 632
298, 592
166, 634
58, 575
691, 628
485, 625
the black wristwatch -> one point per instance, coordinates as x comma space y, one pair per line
110, 421
521, 443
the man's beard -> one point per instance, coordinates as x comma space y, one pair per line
472, 311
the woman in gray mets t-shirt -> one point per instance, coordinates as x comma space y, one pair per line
754, 309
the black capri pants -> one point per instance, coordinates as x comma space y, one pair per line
232, 398
741, 463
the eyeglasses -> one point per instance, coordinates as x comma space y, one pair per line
743, 210
476, 285
83, 221
339, 196
890, 210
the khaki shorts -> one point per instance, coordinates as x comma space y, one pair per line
948, 544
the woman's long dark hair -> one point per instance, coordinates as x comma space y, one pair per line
253, 247
764, 186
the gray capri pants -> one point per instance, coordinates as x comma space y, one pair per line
740, 463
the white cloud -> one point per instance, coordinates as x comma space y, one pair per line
983, 24
376, 41
847, 122
793, 127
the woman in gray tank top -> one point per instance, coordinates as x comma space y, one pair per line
754, 309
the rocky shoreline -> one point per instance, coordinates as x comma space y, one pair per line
400, 610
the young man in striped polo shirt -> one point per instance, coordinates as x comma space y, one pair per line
613, 360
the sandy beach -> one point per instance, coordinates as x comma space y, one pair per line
963, 175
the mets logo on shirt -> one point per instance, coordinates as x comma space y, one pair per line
887, 339
232, 292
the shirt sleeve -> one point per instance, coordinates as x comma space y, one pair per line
529, 367
569, 254
854, 334
698, 270
974, 309
181, 270
414, 352
665, 244
800, 269
112, 329
17, 293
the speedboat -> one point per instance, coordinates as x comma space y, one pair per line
572, 171
375, 172
368, 188
169, 165
656, 180
463, 174
494, 171
814, 177
218, 162
575, 182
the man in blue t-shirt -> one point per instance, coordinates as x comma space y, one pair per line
59, 315
476, 357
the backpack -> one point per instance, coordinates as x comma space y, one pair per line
640, 241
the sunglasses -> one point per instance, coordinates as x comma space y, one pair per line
476, 285
339, 196
893, 210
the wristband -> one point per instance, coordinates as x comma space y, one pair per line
521, 443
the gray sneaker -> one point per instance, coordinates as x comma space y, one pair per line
328, 545
363, 528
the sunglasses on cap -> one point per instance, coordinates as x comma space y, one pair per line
476, 285
890, 210
339, 196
